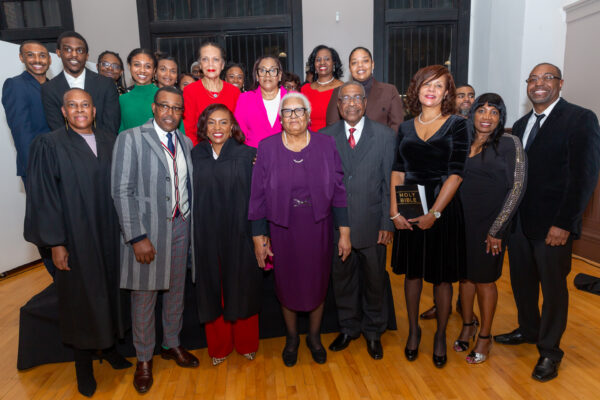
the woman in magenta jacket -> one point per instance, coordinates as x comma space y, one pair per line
257, 111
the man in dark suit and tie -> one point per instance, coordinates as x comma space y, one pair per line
360, 285
562, 141
72, 49
22, 101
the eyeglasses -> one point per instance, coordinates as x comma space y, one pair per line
298, 112
270, 72
545, 77
165, 107
107, 65
348, 99
78, 50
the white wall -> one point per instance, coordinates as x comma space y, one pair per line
508, 38
582, 63
107, 25
14, 249
355, 26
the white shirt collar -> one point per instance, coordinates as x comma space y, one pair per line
547, 111
162, 134
74, 82
359, 127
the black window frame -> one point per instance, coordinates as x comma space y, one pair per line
384, 17
46, 34
254, 24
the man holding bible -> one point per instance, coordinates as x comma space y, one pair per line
360, 283
562, 142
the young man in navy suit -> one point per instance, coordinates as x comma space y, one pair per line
22, 101
562, 141
72, 49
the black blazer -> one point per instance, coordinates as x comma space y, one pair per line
104, 94
22, 100
367, 172
563, 170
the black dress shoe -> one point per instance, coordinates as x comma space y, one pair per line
341, 342
290, 356
545, 370
514, 337
318, 353
375, 349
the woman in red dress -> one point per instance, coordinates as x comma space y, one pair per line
208, 90
325, 64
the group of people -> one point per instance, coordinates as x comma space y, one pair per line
129, 187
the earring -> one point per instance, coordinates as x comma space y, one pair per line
66, 123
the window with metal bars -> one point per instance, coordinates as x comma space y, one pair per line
42, 20
417, 33
246, 29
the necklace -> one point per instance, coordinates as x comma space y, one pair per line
430, 121
285, 141
325, 83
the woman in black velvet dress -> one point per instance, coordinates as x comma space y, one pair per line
493, 186
432, 149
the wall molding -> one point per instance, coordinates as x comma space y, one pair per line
581, 9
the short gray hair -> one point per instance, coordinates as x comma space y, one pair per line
194, 64
352, 83
295, 95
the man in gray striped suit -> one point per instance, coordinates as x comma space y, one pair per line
360, 283
152, 191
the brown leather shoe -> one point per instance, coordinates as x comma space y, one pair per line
182, 357
430, 314
142, 379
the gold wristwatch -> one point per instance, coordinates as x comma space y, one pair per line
435, 213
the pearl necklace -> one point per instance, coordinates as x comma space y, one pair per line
325, 83
430, 121
286, 141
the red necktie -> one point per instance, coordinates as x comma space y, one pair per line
351, 138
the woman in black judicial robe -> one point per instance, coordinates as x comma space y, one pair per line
229, 281
70, 210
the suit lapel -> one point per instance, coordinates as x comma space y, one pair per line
150, 135
343, 147
549, 123
62, 84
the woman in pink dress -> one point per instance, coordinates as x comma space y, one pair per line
326, 66
257, 110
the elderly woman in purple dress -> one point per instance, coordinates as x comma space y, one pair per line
297, 195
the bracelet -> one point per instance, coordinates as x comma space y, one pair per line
395, 216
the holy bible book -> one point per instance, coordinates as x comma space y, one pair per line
411, 201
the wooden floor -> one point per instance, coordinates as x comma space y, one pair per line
350, 374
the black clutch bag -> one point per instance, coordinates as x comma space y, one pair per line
411, 201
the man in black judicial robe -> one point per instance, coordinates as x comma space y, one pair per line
69, 205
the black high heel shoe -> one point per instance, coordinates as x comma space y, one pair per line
463, 345
116, 360
439, 361
84, 370
411, 355
318, 354
290, 357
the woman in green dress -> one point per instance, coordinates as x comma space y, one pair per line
136, 105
